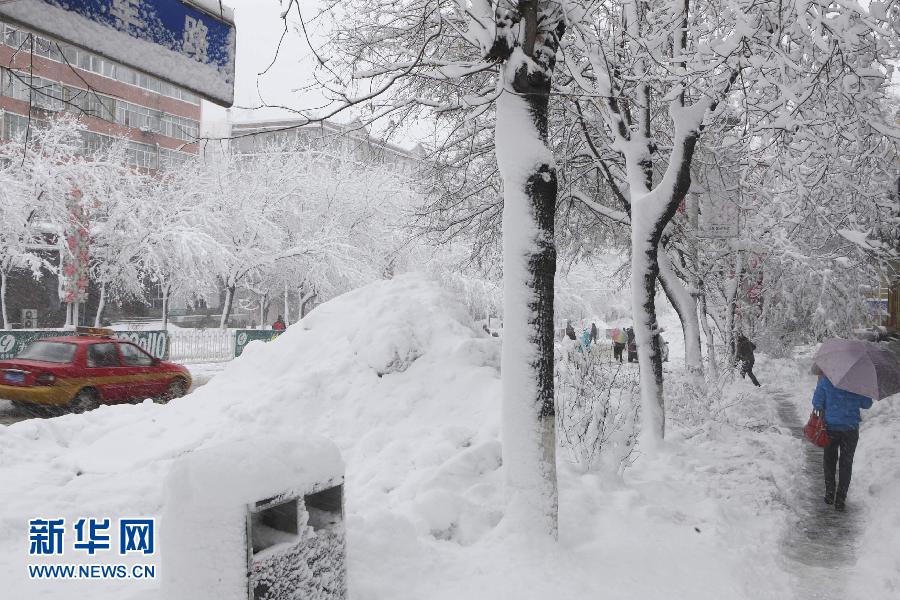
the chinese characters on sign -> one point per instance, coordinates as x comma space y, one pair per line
46, 536
187, 43
196, 39
127, 15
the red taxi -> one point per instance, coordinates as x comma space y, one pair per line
82, 371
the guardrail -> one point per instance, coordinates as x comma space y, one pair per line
180, 345
201, 345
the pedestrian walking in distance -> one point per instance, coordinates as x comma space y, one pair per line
840, 410
594, 333
279, 325
619, 340
744, 354
570, 331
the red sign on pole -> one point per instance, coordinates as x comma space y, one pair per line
75, 259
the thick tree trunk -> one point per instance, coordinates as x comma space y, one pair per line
101, 304
529, 268
3, 299
644, 273
226, 309
287, 306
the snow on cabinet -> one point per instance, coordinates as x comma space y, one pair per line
257, 519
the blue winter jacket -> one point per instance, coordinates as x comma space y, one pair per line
841, 407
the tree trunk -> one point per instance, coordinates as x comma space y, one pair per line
226, 309
263, 310
731, 298
101, 304
165, 308
686, 306
644, 272
710, 337
3, 299
529, 268
304, 302
287, 306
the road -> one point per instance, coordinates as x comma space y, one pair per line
201, 374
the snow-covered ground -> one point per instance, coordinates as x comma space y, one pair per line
405, 384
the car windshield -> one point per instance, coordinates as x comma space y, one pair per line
54, 352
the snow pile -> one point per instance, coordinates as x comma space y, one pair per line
400, 379
876, 485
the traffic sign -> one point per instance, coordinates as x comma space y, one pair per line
190, 43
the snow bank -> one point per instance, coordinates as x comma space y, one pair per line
876, 485
399, 378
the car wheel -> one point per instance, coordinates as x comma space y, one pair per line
84, 401
177, 389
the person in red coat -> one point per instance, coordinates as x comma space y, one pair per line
278, 325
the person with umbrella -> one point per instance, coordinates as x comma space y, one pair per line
851, 373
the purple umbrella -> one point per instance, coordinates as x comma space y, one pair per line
860, 367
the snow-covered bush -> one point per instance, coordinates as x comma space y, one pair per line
597, 409
708, 406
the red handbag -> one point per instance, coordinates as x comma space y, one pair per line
815, 430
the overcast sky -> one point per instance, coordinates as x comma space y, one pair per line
259, 28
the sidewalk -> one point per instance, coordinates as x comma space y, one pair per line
853, 555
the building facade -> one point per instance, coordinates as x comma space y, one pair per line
250, 137
40, 77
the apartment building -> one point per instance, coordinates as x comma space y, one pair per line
40, 76
250, 137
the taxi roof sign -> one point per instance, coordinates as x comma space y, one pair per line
94, 331
190, 43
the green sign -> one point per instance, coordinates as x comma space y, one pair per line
13, 342
155, 343
245, 336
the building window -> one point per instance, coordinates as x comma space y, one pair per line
15, 126
37, 91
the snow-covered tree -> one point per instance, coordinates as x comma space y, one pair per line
43, 169
668, 73
19, 227
506, 52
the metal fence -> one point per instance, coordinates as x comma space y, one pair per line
201, 345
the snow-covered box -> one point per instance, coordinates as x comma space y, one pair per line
258, 519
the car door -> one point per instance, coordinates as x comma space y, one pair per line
142, 382
104, 372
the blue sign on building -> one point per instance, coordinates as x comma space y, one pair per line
190, 43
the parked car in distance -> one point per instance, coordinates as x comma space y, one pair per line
79, 372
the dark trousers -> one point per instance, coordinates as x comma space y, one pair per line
839, 453
617, 351
747, 369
